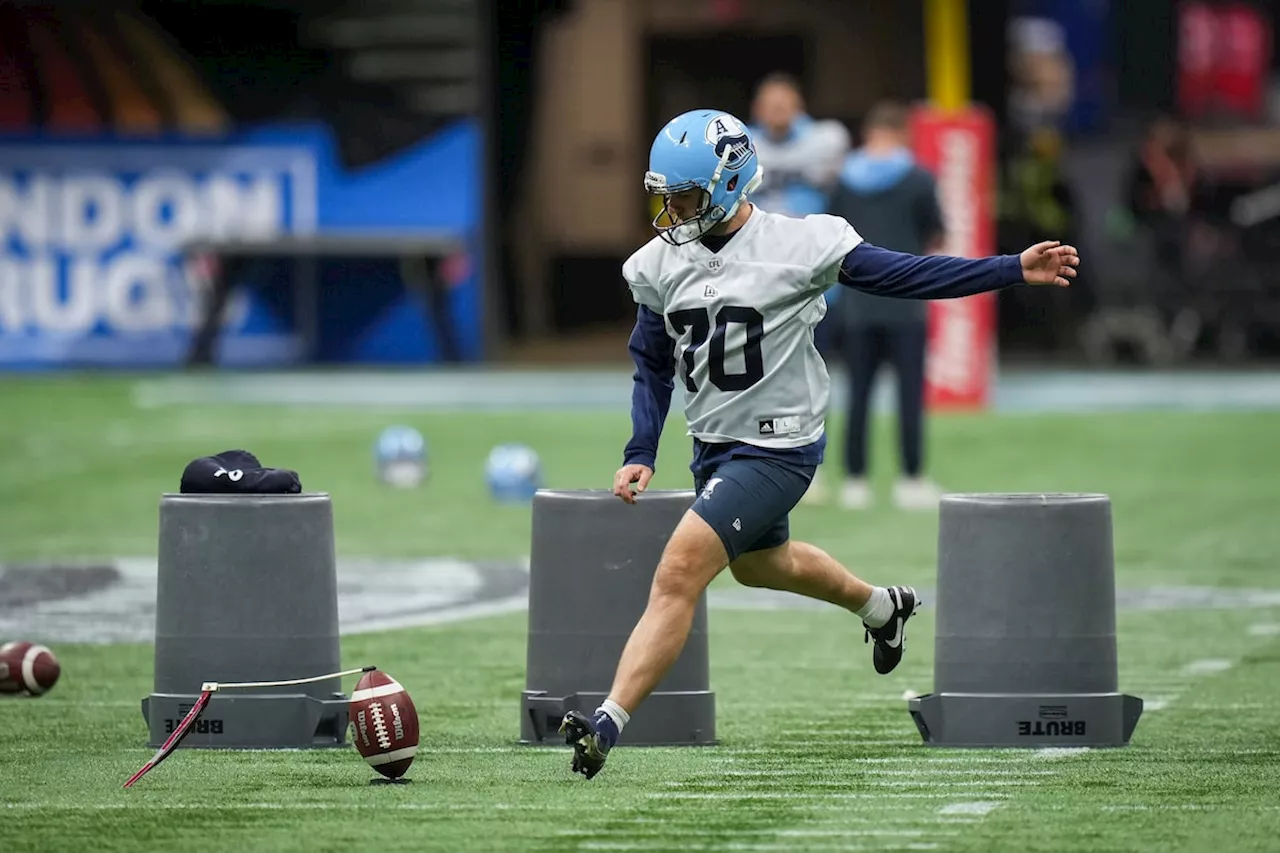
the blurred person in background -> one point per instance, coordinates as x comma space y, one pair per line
801, 158
1162, 177
1036, 198
893, 203
1161, 200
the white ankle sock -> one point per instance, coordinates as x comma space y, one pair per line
620, 717
878, 609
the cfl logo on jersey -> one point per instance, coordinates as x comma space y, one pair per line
728, 135
715, 265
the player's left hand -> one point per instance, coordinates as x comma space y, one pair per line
1050, 262
628, 474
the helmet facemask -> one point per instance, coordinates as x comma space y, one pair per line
677, 232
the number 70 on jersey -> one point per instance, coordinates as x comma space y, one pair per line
698, 323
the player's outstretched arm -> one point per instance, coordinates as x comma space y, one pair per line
886, 273
654, 378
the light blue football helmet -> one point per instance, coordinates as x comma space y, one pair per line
705, 149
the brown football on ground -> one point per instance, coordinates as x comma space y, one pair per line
27, 668
384, 724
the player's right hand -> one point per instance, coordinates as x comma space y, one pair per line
628, 474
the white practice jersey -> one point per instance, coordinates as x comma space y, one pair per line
742, 320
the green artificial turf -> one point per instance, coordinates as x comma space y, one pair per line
816, 751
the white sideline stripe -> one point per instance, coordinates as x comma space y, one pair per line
394, 755
29, 669
377, 692
1209, 666
1265, 629
981, 807
1155, 703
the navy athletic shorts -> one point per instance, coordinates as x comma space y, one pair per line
746, 500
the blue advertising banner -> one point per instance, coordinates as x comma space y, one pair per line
92, 273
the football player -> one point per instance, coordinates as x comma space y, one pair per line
728, 296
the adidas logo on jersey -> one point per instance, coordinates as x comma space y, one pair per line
710, 292
779, 426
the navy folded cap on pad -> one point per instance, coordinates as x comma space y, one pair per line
237, 472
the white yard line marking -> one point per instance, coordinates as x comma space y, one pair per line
1052, 753
980, 807
1184, 807
736, 845
924, 772
45, 702
840, 818
284, 807
781, 833
789, 847
800, 795
1156, 703
1014, 757
1265, 629
921, 781
888, 728
805, 745
1209, 666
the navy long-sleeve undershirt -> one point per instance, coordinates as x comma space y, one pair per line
868, 268
886, 273
654, 356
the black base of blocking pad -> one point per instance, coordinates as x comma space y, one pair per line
668, 719
276, 721
1015, 720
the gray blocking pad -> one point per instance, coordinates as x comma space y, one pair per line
1025, 645
247, 591
591, 565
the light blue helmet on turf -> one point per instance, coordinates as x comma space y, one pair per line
708, 150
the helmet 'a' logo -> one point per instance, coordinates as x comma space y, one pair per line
727, 134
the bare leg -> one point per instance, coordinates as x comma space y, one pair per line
803, 569
693, 557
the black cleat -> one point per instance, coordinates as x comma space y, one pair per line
591, 740
891, 637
